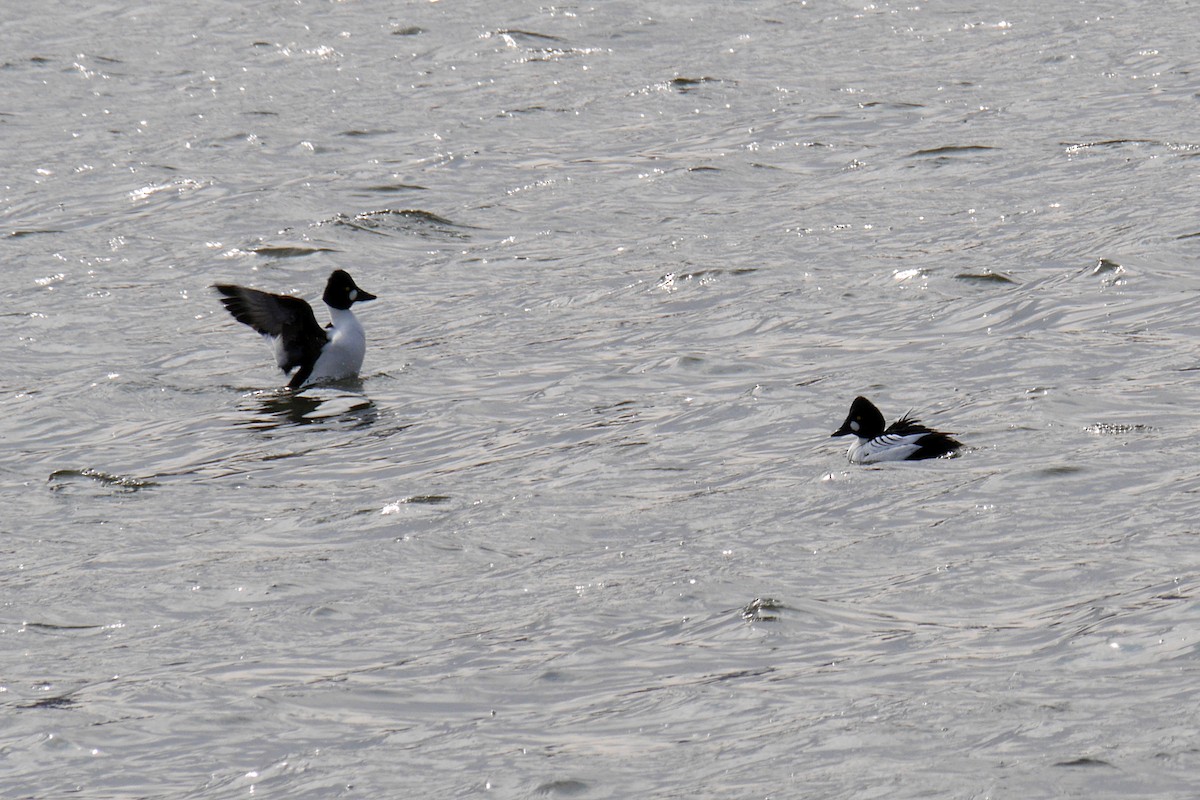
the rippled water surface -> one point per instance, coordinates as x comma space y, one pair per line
580, 530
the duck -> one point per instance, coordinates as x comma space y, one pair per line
906, 439
288, 324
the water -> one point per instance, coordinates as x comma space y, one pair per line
580, 530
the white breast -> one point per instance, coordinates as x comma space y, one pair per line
342, 357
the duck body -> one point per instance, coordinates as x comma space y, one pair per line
288, 324
906, 439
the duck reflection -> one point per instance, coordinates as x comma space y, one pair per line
344, 406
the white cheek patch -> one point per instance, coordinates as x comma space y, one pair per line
854, 425
353, 295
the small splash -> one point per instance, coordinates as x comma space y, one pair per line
177, 186
1077, 147
902, 275
62, 478
1116, 429
420, 499
1110, 271
762, 609
399, 220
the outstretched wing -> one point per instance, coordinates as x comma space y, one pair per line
289, 321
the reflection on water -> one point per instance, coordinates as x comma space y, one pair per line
343, 404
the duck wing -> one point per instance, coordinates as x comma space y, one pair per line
289, 321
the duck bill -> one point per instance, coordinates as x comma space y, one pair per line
842, 431
364, 296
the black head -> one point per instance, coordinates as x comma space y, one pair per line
342, 292
864, 420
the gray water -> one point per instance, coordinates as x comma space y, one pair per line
580, 530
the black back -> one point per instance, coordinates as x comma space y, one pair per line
933, 443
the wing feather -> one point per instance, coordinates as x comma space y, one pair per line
288, 320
